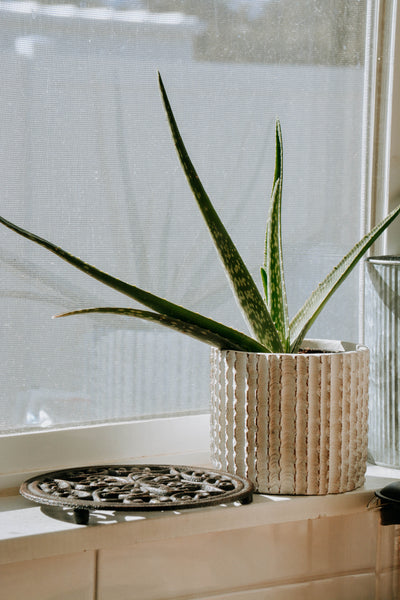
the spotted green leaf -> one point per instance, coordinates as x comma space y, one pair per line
246, 291
194, 331
174, 311
273, 271
268, 321
306, 316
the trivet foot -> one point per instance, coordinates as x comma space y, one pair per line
81, 516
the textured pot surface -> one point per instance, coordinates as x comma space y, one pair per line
292, 423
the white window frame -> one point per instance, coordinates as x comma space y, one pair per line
164, 440
169, 439
382, 181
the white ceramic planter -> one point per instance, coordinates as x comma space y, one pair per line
292, 423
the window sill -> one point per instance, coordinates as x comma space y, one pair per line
29, 531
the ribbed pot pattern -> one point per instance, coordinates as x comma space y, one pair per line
382, 334
291, 423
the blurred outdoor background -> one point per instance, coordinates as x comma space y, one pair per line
87, 161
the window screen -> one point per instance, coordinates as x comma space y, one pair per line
87, 161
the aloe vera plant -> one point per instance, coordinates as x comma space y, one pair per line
267, 317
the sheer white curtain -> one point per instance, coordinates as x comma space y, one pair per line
87, 161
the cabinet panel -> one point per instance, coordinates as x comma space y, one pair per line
351, 587
66, 577
205, 564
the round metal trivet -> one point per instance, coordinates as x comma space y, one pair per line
135, 487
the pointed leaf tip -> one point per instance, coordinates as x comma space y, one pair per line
249, 298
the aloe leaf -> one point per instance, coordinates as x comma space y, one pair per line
306, 316
235, 338
273, 272
264, 279
246, 291
194, 331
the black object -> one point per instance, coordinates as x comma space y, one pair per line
135, 487
389, 497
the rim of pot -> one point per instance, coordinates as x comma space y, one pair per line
384, 260
326, 346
